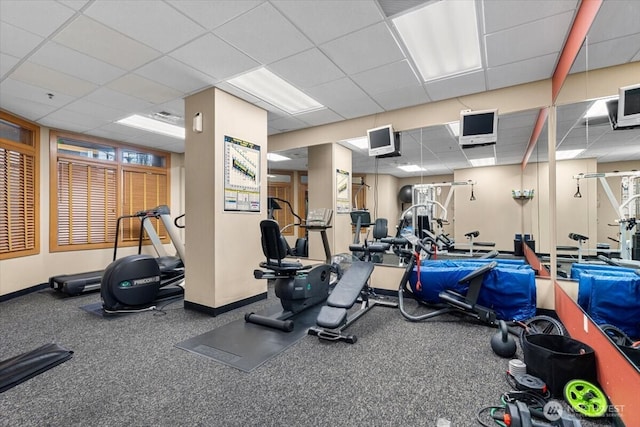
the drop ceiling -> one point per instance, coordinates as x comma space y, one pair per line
82, 65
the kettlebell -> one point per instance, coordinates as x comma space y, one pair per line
502, 343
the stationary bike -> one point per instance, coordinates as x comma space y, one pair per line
299, 287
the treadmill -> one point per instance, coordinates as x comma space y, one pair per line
80, 283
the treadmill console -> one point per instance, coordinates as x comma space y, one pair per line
319, 217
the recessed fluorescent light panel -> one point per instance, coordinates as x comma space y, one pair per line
442, 38
276, 157
568, 154
361, 142
454, 128
411, 168
151, 125
265, 85
598, 108
487, 161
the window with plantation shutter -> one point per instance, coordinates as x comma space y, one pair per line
96, 181
18, 187
280, 185
142, 191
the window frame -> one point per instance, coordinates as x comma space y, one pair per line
30, 150
120, 167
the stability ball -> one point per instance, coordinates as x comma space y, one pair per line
405, 195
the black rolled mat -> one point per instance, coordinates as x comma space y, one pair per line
22, 367
246, 346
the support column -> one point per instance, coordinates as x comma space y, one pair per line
324, 162
222, 246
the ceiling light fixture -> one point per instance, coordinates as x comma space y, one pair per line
276, 157
411, 168
568, 154
598, 108
442, 38
487, 161
362, 142
152, 125
454, 128
265, 85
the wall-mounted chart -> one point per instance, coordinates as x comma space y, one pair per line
343, 204
241, 175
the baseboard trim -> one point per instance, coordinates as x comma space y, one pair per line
25, 291
215, 311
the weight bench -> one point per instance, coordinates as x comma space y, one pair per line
334, 317
472, 235
578, 238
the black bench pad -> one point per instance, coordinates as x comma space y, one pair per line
346, 292
487, 244
331, 317
567, 248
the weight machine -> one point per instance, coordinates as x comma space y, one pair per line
628, 209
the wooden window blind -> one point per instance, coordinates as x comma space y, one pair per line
142, 190
87, 203
95, 183
18, 187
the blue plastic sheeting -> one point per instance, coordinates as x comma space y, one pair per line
615, 300
509, 291
476, 262
584, 286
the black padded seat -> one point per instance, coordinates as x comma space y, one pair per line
472, 233
344, 295
567, 248
486, 244
169, 263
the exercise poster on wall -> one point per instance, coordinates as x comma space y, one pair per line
241, 175
343, 204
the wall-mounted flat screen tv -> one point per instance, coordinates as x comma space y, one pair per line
478, 127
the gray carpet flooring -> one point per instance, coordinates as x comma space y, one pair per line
126, 371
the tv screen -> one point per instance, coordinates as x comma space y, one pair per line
629, 106
381, 140
478, 127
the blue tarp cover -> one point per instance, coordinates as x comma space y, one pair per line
509, 290
615, 300
584, 286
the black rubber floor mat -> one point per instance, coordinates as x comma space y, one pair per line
246, 346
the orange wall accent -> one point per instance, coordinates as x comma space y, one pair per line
540, 121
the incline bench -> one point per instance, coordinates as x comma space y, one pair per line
334, 317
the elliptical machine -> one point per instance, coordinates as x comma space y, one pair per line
137, 282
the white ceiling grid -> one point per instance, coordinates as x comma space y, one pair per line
103, 60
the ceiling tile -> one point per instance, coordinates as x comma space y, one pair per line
401, 97
503, 14
460, 85
74, 63
264, 34
529, 70
145, 89
18, 89
37, 16
357, 107
74, 4
64, 125
175, 74
336, 92
211, 14
615, 19
326, 20
286, 124
51, 80
87, 36
117, 100
154, 23
81, 120
365, 49
307, 69
377, 80
7, 62
17, 42
607, 53
102, 112
27, 108
214, 57
534, 39
320, 117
